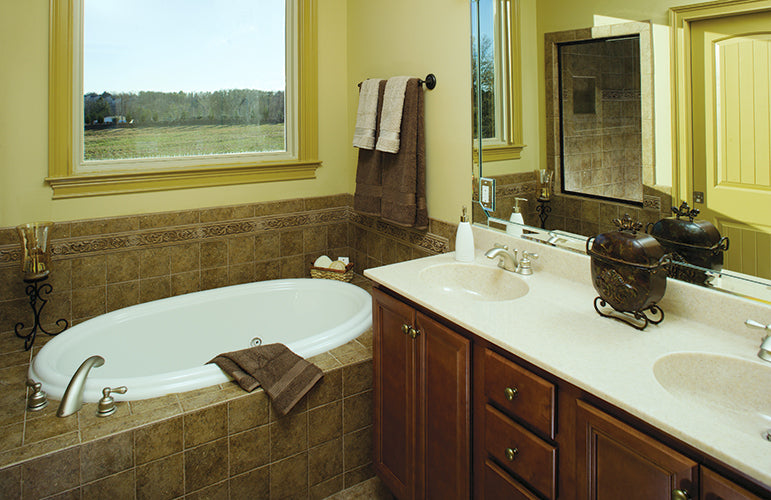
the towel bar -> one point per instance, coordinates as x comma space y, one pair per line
430, 81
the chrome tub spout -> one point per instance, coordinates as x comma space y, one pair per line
72, 400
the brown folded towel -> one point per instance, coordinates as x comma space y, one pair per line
284, 375
404, 173
369, 173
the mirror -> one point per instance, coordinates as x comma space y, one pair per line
550, 33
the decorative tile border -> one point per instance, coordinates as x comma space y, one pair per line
79, 246
426, 240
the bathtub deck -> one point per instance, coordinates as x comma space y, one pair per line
28, 438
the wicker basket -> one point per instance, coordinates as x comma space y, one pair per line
333, 274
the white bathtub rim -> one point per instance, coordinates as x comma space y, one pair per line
144, 387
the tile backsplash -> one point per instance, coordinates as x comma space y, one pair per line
101, 265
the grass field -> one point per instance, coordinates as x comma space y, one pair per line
158, 142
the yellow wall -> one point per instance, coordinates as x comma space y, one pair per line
408, 37
23, 129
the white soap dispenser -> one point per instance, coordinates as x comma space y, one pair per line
516, 216
464, 240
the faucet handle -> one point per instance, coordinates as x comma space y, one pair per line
755, 324
37, 400
107, 403
500, 245
528, 255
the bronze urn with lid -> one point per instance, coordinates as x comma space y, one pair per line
629, 273
694, 242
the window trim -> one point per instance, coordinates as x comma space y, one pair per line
67, 183
508, 145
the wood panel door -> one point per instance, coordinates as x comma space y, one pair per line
445, 397
616, 461
731, 85
394, 416
716, 487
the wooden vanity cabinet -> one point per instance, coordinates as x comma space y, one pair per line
716, 487
534, 436
422, 406
614, 460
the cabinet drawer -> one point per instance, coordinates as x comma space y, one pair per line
498, 484
533, 459
520, 393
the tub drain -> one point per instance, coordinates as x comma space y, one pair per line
255, 342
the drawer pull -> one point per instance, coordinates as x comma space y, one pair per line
512, 452
414, 333
405, 329
680, 495
510, 392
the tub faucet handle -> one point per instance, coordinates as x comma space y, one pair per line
107, 404
37, 400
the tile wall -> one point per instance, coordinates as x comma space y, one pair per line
102, 265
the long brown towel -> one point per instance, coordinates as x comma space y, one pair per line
404, 173
284, 375
369, 172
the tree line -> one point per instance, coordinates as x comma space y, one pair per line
221, 107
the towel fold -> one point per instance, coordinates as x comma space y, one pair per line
366, 116
404, 173
369, 170
391, 116
285, 376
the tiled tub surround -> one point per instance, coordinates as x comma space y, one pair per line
104, 264
218, 442
579, 215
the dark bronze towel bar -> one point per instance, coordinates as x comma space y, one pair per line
430, 81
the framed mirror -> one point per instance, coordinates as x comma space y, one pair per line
549, 33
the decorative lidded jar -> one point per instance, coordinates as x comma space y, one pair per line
696, 242
629, 272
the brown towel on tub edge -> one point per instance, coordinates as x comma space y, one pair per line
404, 173
369, 170
284, 375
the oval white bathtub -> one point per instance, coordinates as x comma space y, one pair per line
161, 347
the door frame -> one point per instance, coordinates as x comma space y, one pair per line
680, 19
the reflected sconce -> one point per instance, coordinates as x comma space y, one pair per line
36, 267
544, 177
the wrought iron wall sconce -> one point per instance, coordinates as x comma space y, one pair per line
36, 267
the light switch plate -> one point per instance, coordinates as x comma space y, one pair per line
487, 193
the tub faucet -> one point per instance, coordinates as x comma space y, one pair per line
72, 400
765, 346
506, 260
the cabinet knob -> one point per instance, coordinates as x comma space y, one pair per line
680, 495
414, 333
510, 392
512, 452
405, 329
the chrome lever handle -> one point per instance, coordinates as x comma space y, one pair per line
755, 324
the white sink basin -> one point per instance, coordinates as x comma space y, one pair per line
732, 387
475, 282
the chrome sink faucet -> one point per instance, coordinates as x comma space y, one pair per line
508, 260
72, 401
765, 346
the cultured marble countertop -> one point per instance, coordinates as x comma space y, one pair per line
556, 328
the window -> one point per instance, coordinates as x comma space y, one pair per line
147, 96
496, 77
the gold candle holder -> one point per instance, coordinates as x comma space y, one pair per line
36, 266
35, 255
544, 177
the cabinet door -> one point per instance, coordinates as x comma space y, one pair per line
616, 461
394, 362
445, 409
716, 487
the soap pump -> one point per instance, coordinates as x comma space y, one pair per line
516, 216
464, 240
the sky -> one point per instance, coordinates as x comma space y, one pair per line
190, 45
